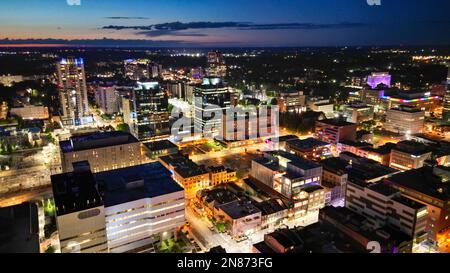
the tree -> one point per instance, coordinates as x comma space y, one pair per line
123, 127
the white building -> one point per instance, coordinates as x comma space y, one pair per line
405, 120
30, 112
107, 99
124, 210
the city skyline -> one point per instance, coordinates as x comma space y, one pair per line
224, 24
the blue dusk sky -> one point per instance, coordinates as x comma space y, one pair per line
225, 23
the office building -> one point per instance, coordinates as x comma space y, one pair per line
310, 148
80, 211
416, 99
143, 206
384, 205
428, 186
104, 151
377, 78
358, 112
146, 111
73, 92
409, 155
405, 120
216, 65
107, 99
356, 227
321, 105
30, 112
211, 98
334, 179
189, 175
335, 130
291, 101
124, 210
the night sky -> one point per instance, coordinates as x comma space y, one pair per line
231, 22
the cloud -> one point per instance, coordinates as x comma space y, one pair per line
105, 42
174, 28
126, 18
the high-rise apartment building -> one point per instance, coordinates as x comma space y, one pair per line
73, 92
107, 99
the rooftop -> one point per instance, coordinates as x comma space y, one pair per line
240, 209
336, 122
307, 144
271, 206
135, 183
183, 166
19, 229
160, 145
423, 181
96, 140
75, 191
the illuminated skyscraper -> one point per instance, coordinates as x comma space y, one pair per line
209, 95
146, 111
73, 92
216, 65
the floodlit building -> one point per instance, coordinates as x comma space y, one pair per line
146, 111
377, 78
104, 151
73, 92
428, 186
409, 155
124, 210
405, 120
30, 112
80, 211
292, 102
335, 130
209, 95
384, 205
143, 206
107, 99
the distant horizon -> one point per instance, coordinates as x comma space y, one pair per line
233, 23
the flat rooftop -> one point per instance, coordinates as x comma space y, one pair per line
307, 144
239, 209
423, 181
336, 122
183, 166
19, 229
96, 140
75, 191
135, 183
160, 145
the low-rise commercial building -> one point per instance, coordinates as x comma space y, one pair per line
405, 120
335, 130
30, 112
311, 148
409, 155
428, 186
